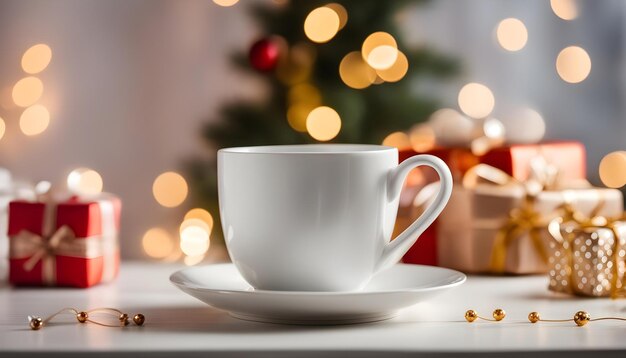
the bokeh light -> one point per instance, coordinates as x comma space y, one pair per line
493, 128
355, 72
422, 137
322, 24
613, 169
225, 3
295, 67
297, 115
476, 100
304, 93
199, 213
397, 71
193, 260
451, 127
512, 34
573, 64
565, 9
2, 127
170, 189
84, 181
194, 240
36, 58
27, 91
380, 50
341, 12
157, 243
34, 120
323, 123
399, 140
524, 125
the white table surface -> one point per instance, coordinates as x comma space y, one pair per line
179, 323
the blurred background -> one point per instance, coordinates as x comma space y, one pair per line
134, 97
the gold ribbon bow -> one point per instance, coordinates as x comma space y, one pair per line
522, 220
582, 222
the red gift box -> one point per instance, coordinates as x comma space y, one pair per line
70, 243
569, 157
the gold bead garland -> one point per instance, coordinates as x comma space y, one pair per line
581, 318
36, 323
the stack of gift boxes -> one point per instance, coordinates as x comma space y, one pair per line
58, 239
522, 209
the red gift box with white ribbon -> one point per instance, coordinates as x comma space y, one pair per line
71, 242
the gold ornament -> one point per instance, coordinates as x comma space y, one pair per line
82, 317
534, 317
139, 319
35, 323
581, 318
470, 316
124, 319
499, 314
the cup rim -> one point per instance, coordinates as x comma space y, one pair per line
310, 149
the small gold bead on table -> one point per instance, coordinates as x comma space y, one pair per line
82, 317
471, 315
534, 317
139, 319
499, 314
35, 323
581, 318
124, 319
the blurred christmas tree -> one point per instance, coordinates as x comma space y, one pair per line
335, 72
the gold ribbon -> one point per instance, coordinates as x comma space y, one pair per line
589, 222
522, 220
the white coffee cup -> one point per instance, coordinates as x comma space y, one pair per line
318, 217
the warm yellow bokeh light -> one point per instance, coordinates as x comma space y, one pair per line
573, 64
422, 137
2, 127
342, 13
565, 9
36, 58
321, 25
613, 169
304, 93
195, 222
493, 128
297, 115
193, 260
84, 181
476, 100
512, 34
199, 213
34, 120
27, 91
225, 3
194, 240
323, 123
355, 72
170, 189
397, 71
380, 50
157, 243
399, 140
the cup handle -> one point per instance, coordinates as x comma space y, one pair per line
395, 249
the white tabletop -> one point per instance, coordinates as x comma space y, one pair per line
179, 323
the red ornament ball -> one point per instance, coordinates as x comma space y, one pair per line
264, 55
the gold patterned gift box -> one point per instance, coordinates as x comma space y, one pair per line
588, 256
496, 224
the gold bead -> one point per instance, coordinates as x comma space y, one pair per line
581, 318
499, 314
470, 316
82, 317
534, 317
139, 319
35, 323
124, 319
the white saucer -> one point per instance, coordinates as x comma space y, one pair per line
400, 286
